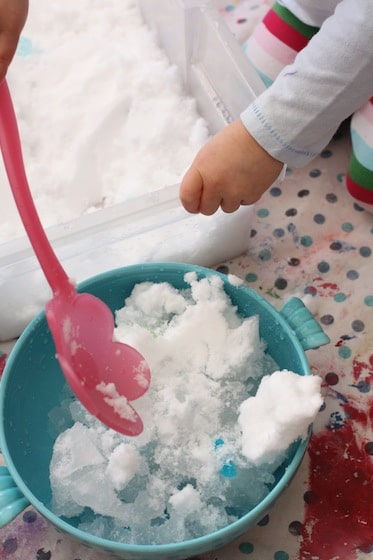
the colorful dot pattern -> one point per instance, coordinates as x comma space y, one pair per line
307, 239
315, 243
25, 47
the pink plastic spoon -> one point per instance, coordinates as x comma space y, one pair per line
105, 375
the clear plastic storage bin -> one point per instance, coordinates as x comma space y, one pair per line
151, 227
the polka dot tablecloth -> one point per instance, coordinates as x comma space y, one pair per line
306, 238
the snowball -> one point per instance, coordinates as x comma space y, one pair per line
124, 462
281, 411
187, 500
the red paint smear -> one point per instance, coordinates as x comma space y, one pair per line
339, 524
358, 367
358, 415
326, 289
329, 286
2, 363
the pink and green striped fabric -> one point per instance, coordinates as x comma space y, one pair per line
360, 173
276, 41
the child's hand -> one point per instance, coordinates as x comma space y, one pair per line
232, 169
13, 14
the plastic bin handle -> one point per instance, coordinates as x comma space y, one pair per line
12, 501
303, 323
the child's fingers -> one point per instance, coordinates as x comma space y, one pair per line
13, 15
8, 45
229, 205
191, 190
196, 197
210, 201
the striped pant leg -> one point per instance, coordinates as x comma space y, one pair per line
275, 42
359, 179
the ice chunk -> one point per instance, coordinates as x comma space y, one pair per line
74, 450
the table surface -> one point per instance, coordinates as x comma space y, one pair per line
307, 238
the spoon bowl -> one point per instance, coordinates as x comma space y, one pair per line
104, 374
94, 364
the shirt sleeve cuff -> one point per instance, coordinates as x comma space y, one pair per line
271, 139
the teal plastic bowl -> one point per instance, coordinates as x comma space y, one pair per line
32, 385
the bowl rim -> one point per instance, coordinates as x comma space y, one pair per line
238, 526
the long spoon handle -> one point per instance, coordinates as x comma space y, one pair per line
14, 165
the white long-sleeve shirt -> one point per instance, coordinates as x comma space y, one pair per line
296, 117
